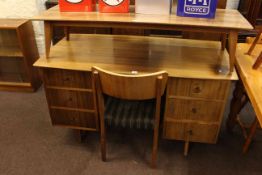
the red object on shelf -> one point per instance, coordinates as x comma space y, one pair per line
77, 5
114, 6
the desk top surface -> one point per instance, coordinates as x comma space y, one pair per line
252, 79
179, 57
225, 19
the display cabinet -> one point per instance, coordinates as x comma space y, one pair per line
18, 52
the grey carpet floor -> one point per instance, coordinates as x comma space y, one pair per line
29, 145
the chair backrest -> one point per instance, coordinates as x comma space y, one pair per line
133, 86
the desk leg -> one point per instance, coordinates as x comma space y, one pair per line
238, 102
223, 41
232, 41
67, 33
48, 37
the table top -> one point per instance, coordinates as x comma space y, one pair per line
225, 19
179, 57
11, 23
252, 79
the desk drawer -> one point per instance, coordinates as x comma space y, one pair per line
207, 89
67, 78
70, 98
206, 111
73, 118
193, 132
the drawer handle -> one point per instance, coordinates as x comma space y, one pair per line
194, 110
197, 90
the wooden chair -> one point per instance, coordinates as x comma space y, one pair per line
249, 132
125, 90
257, 40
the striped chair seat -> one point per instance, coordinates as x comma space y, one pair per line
129, 114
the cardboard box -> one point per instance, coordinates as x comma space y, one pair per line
197, 8
114, 6
77, 5
160, 7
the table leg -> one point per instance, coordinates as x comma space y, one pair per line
232, 41
239, 100
48, 37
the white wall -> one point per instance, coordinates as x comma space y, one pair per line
25, 9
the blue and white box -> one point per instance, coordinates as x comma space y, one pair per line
197, 8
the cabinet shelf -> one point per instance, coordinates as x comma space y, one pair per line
10, 51
13, 77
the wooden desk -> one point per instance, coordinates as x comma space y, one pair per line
251, 86
226, 21
197, 89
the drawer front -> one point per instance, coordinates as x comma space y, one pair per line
70, 98
193, 132
206, 111
207, 89
67, 78
73, 118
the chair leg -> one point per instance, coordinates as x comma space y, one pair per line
186, 148
250, 136
253, 45
103, 144
155, 148
258, 61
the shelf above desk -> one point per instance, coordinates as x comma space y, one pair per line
226, 22
225, 18
10, 51
179, 57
